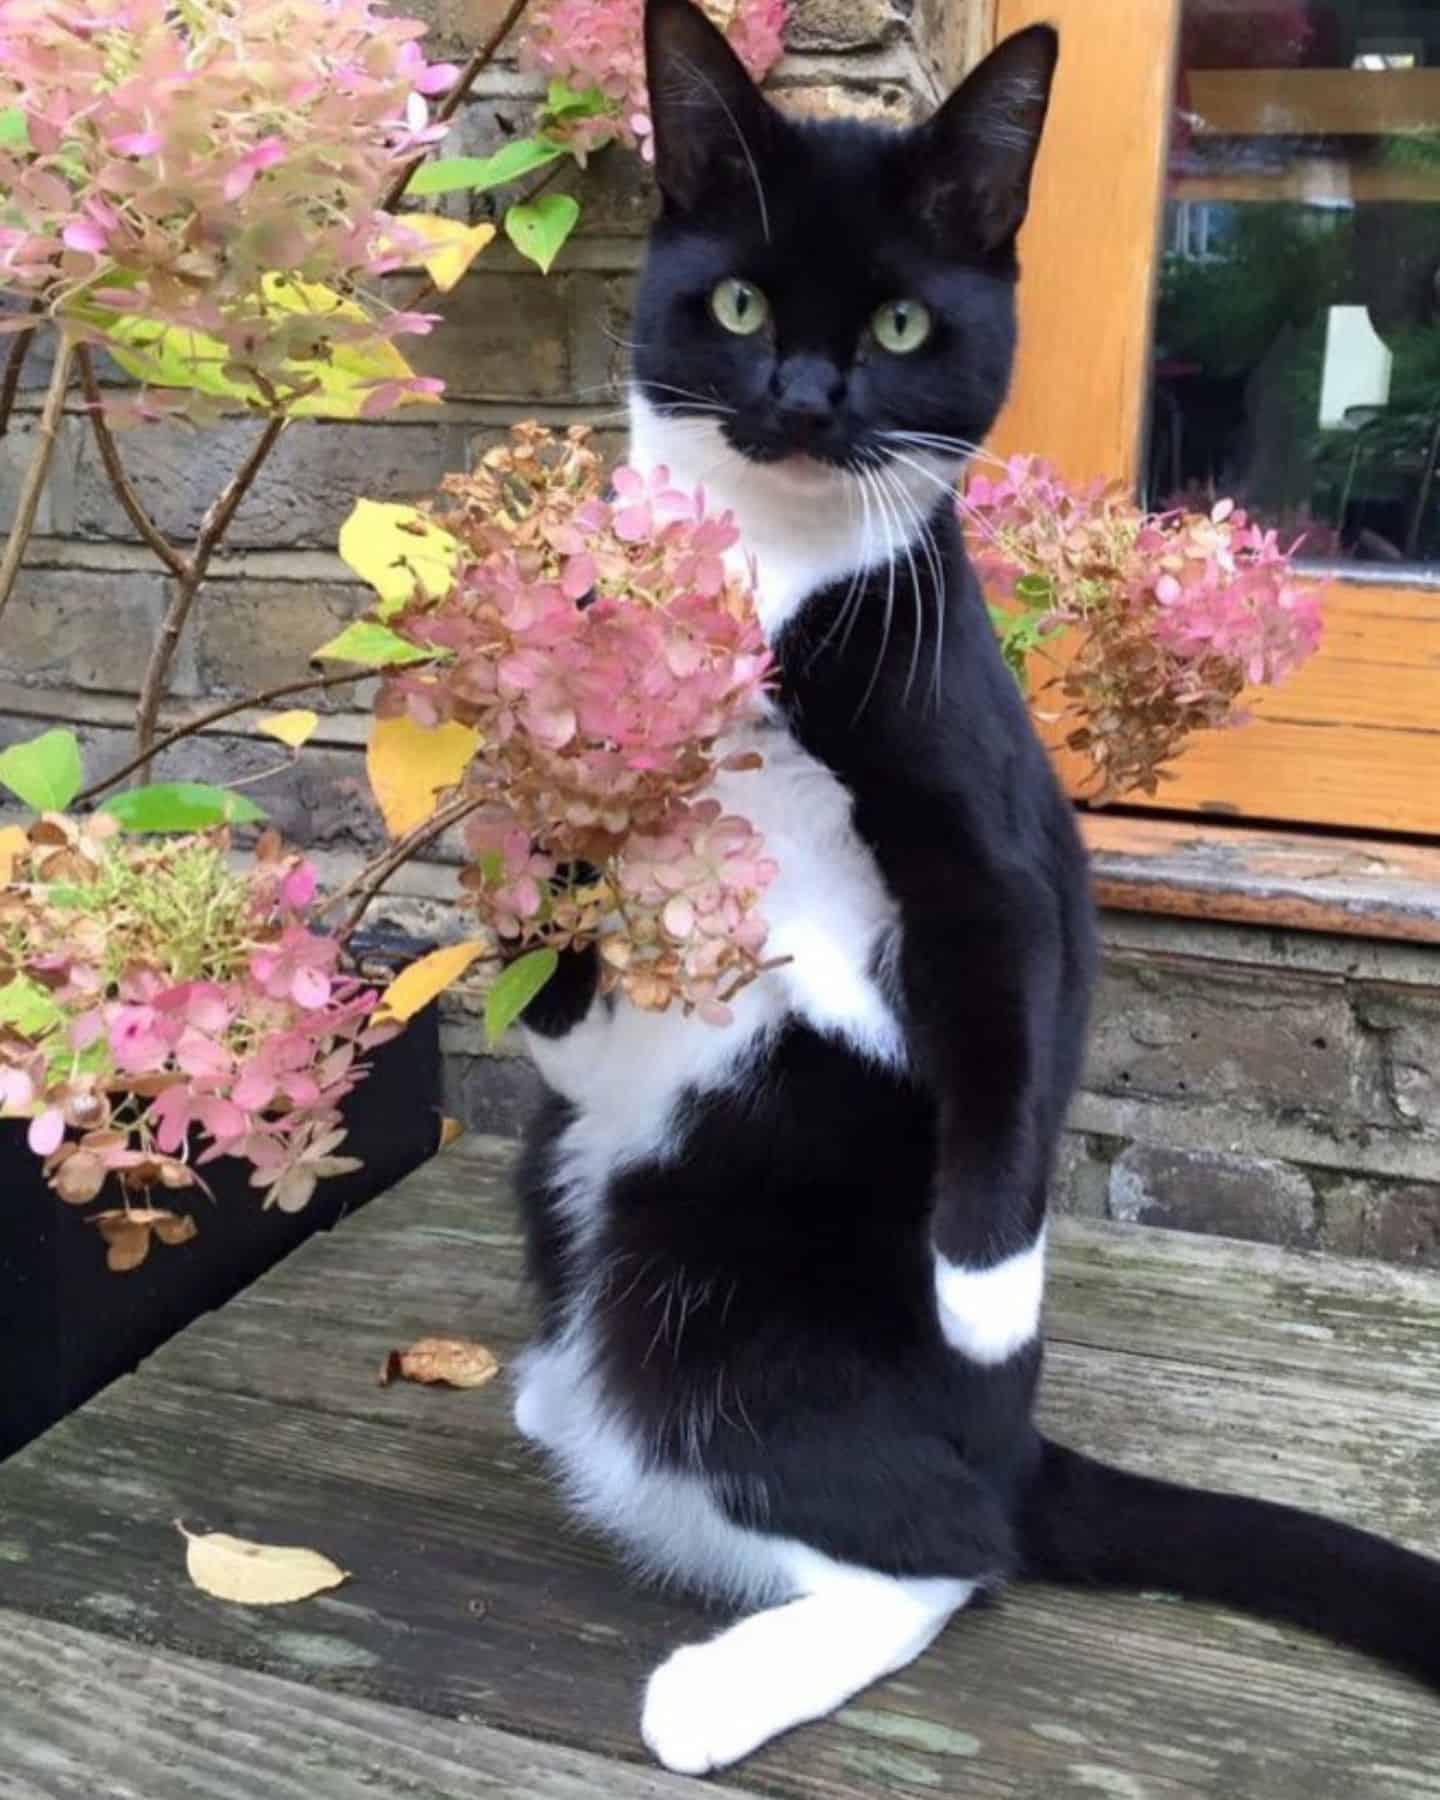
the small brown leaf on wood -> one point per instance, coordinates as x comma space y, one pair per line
448, 1362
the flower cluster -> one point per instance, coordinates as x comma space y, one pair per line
602, 647
155, 1001
598, 46
165, 162
1164, 619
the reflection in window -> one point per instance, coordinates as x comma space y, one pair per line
1297, 330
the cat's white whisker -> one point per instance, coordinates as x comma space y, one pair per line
904, 505
872, 479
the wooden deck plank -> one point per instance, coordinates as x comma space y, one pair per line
472, 1598
87, 1717
444, 1257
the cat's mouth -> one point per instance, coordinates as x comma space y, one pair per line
807, 458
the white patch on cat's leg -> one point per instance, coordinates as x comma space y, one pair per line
710, 1704
989, 1314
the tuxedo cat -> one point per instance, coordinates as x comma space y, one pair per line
790, 1269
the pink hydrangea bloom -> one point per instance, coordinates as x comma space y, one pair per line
179, 155
599, 45
1168, 617
605, 646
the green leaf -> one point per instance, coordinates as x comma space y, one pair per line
28, 1007
377, 646
564, 102
508, 163
516, 988
44, 772
342, 378
14, 129
181, 806
538, 228
1035, 590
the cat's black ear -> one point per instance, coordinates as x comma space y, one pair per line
712, 126
978, 151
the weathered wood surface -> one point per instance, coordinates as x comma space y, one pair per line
472, 1599
1349, 886
83, 1717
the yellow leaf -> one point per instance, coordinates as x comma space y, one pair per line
447, 1362
340, 377
415, 987
292, 728
13, 843
451, 1131
232, 1568
409, 764
395, 550
452, 246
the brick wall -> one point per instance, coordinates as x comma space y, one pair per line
514, 344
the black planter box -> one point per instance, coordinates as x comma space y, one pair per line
69, 1325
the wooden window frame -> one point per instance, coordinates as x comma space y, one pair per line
1352, 743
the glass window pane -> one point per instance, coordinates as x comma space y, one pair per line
1296, 349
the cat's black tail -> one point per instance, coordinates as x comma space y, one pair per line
1087, 1523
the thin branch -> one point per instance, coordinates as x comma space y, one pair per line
226, 711
119, 478
28, 504
14, 363
212, 530
373, 877
452, 102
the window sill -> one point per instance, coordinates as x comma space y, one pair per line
1248, 876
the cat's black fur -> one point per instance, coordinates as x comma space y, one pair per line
798, 1219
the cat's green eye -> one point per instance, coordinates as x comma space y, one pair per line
901, 326
739, 306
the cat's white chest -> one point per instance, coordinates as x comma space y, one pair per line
830, 918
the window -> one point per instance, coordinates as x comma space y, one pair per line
1232, 287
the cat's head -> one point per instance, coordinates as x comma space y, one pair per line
813, 286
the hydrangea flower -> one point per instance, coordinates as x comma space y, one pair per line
603, 641
1166, 618
599, 46
175, 159
174, 1010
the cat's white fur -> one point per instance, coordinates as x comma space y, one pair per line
829, 1629
991, 1313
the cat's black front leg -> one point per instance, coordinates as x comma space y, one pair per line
981, 987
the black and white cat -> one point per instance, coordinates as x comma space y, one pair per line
791, 1269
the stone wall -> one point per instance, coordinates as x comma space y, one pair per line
1276, 1085
1272, 1085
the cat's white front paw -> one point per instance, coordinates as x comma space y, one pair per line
697, 1717
528, 1415
540, 1396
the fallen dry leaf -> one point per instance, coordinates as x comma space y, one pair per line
453, 1362
450, 1130
233, 1568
